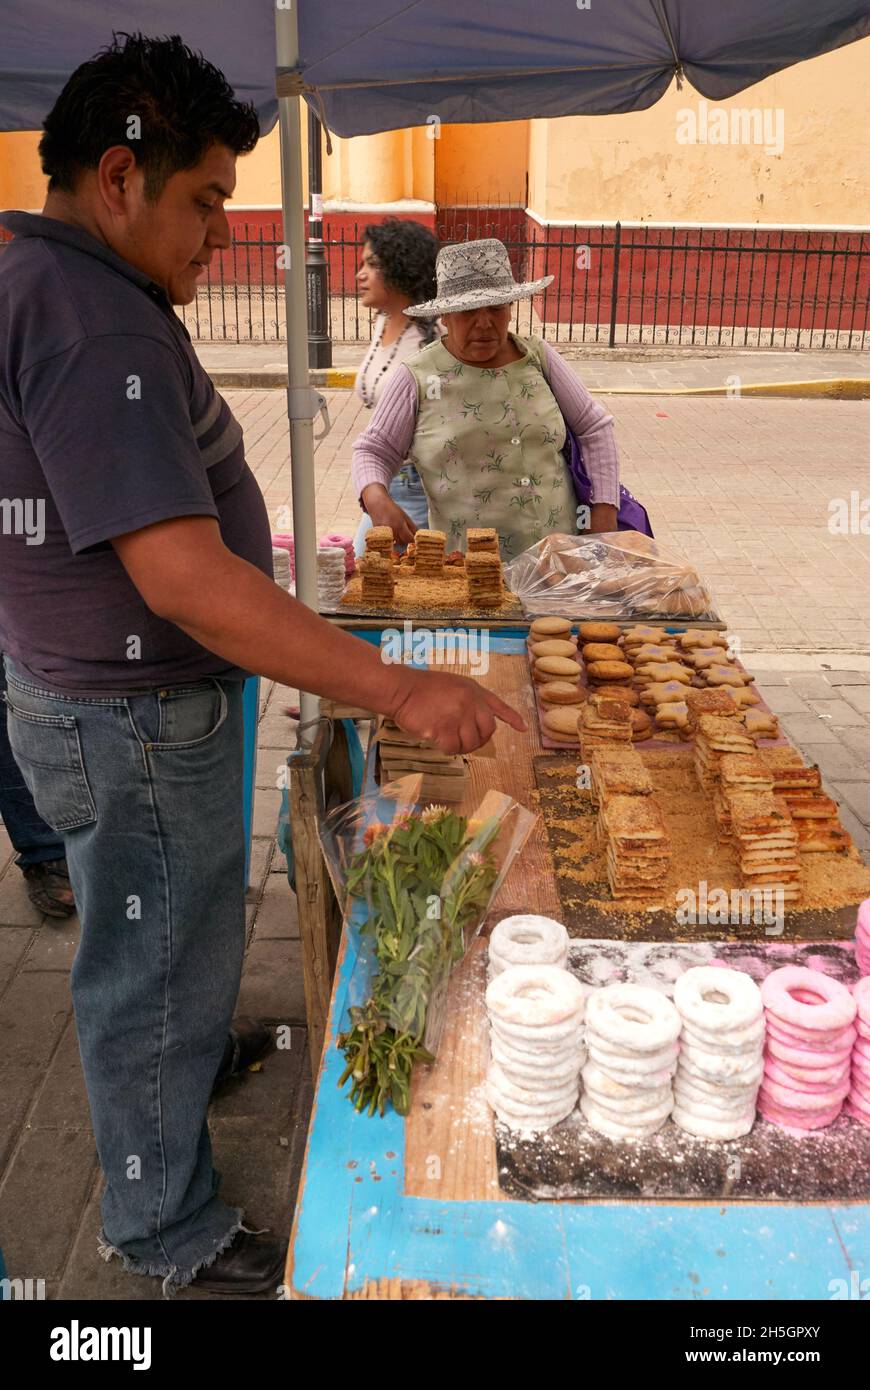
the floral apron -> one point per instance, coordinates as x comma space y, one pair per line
487, 446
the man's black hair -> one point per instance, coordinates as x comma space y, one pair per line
184, 104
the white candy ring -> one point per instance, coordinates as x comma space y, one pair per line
525, 1075
536, 996
726, 1102
526, 939
722, 1130
542, 1063
634, 1114
552, 1038
632, 1016
737, 1070
624, 1060
600, 1081
709, 1089
707, 1110
718, 1000
807, 999
736, 1041
611, 1128
538, 1097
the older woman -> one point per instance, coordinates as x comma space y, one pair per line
482, 415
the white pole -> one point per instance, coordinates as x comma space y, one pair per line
301, 399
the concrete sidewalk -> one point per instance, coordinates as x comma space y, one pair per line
264, 366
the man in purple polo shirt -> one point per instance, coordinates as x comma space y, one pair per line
136, 596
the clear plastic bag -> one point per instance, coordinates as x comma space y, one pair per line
611, 574
427, 877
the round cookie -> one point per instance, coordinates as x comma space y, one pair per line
561, 724
561, 693
602, 651
641, 726
554, 646
609, 671
550, 627
557, 668
599, 632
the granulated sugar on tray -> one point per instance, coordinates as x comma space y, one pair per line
828, 881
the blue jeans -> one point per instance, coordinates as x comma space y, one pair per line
35, 841
407, 489
147, 792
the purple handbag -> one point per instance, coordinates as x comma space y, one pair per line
631, 515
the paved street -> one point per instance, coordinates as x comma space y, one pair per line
742, 489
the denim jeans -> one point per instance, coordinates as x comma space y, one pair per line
35, 841
407, 489
147, 792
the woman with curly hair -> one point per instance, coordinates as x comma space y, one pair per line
398, 270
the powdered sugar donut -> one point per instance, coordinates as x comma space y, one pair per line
525, 1123
738, 1071
735, 1041
716, 1000
558, 1035
535, 996
704, 1127
625, 1060
808, 1000
526, 1072
632, 1016
599, 1082
527, 939
539, 1097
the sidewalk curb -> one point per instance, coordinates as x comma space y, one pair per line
337, 379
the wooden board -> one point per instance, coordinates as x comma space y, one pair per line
573, 1162
587, 908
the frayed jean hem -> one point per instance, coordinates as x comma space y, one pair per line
173, 1277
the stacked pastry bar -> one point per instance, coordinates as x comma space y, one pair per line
738, 772
379, 541
766, 842
378, 579
603, 720
618, 771
429, 554
444, 775
485, 589
638, 847
717, 735
815, 815
481, 540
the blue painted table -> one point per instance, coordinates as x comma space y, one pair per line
392, 1208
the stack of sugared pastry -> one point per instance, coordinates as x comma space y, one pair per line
717, 735
481, 540
379, 541
815, 815
429, 554
766, 842
604, 719
737, 772
378, 578
618, 771
638, 847
485, 588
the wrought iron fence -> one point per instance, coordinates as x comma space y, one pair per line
613, 285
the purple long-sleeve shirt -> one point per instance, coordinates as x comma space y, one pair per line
384, 445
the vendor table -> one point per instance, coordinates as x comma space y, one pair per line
410, 1208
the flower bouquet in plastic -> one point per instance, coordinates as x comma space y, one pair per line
427, 879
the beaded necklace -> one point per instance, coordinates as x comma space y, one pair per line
369, 395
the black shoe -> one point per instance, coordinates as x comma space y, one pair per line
252, 1264
248, 1042
48, 888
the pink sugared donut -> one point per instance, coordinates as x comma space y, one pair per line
789, 1119
837, 1040
861, 994
803, 1056
820, 1078
777, 1074
807, 999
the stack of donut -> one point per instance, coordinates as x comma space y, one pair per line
810, 1032
536, 1043
721, 1052
631, 1039
862, 938
527, 939
858, 1101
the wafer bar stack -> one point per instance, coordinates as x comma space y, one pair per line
766, 842
815, 815
485, 588
638, 847
379, 541
429, 554
603, 721
378, 579
481, 540
738, 772
717, 735
618, 771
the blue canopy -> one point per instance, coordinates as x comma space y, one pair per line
385, 64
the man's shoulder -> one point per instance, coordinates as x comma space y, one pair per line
53, 297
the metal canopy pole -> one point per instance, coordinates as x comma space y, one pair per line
303, 403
